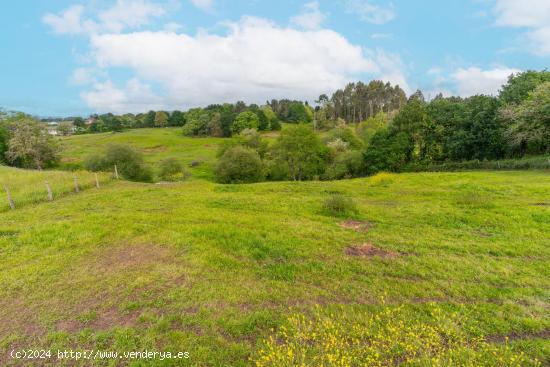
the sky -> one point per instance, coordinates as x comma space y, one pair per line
70, 57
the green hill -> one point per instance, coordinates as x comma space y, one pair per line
214, 270
155, 144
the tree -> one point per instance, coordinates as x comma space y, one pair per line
149, 119
528, 128
300, 149
79, 122
388, 151
298, 112
65, 128
519, 85
367, 128
30, 145
161, 119
4, 138
239, 165
176, 118
197, 122
245, 120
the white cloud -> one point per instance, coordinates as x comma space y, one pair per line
534, 15
124, 14
134, 97
68, 22
203, 4
256, 60
473, 80
311, 16
83, 76
370, 12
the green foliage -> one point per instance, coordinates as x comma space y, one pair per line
529, 122
346, 165
161, 119
518, 87
171, 169
301, 151
387, 151
129, 162
345, 134
367, 128
177, 118
339, 205
197, 122
245, 120
298, 112
239, 165
4, 138
30, 145
64, 128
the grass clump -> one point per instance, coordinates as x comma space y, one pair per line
388, 337
339, 205
171, 169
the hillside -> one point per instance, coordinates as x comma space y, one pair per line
155, 144
212, 269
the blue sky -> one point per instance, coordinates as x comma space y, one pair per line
66, 57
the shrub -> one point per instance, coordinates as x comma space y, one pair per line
129, 163
339, 205
245, 120
347, 164
170, 169
239, 165
96, 163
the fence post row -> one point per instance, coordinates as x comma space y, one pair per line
10, 200
50, 194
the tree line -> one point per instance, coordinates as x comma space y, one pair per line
359, 130
399, 134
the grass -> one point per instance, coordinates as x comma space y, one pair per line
29, 186
155, 144
216, 270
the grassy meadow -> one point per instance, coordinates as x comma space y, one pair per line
241, 275
29, 186
155, 144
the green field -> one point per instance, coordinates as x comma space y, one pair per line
29, 186
216, 269
155, 144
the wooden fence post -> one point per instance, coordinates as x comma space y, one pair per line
10, 200
116, 172
50, 194
76, 188
96, 181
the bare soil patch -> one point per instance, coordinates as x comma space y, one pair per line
130, 256
157, 149
369, 250
356, 225
527, 335
541, 204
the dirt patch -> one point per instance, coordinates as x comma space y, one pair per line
130, 256
101, 320
527, 335
541, 204
368, 250
356, 225
157, 149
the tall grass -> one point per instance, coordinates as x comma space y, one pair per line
29, 186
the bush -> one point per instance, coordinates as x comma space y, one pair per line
339, 205
129, 163
346, 165
239, 165
96, 163
170, 169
